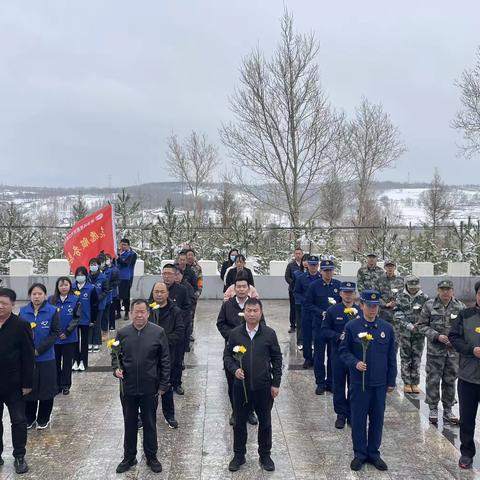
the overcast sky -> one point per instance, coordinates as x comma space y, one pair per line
90, 90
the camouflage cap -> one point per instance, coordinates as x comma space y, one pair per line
372, 254
412, 281
390, 262
445, 283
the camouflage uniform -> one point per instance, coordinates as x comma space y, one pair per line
442, 360
406, 315
369, 278
390, 288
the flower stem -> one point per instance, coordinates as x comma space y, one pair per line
364, 361
243, 382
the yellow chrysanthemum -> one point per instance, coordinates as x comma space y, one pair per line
242, 349
33, 325
77, 293
477, 329
110, 342
348, 311
369, 337
153, 305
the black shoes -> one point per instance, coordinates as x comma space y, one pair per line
266, 463
291, 330
20, 465
66, 390
465, 462
231, 421
126, 317
356, 464
379, 464
179, 390
236, 462
340, 423
252, 419
307, 364
171, 422
1, 460
154, 464
319, 390
125, 464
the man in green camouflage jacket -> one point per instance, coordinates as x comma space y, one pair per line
368, 277
406, 315
442, 360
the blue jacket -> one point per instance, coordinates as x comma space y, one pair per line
301, 286
46, 330
126, 264
101, 286
334, 322
88, 302
381, 355
69, 317
316, 298
112, 275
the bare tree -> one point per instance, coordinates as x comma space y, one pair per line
192, 162
332, 200
437, 202
226, 205
373, 145
467, 119
285, 131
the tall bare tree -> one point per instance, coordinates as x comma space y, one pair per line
285, 131
226, 205
192, 162
467, 119
373, 144
437, 202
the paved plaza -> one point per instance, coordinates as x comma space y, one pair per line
86, 434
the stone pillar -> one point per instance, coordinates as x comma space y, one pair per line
349, 268
458, 269
277, 268
164, 262
58, 267
209, 267
422, 269
20, 267
139, 269
249, 264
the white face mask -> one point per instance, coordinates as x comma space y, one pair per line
80, 278
108, 263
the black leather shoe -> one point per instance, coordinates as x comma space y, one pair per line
267, 463
319, 390
191, 338
66, 390
171, 422
125, 464
329, 389
356, 464
307, 364
464, 463
236, 463
231, 421
379, 464
291, 330
154, 464
252, 419
20, 465
1, 460
179, 390
340, 423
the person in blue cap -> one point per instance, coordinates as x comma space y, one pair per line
336, 317
322, 294
300, 290
370, 380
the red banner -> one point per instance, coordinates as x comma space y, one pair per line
89, 236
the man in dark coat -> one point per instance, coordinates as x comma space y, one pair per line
17, 360
143, 367
293, 266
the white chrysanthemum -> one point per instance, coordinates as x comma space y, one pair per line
331, 301
362, 334
236, 349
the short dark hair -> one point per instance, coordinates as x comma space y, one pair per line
9, 293
139, 301
189, 250
254, 301
94, 260
125, 240
81, 269
172, 266
477, 286
39, 285
298, 248
240, 257
181, 252
241, 277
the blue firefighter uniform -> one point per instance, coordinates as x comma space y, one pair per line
301, 286
333, 326
317, 300
381, 373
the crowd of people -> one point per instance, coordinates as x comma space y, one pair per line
348, 332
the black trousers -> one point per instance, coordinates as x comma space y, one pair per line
16, 409
468, 398
81, 354
124, 288
106, 317
230, 381
147, 405
64, 353
262, 403
168, 405
293, 322
113, 312
176, 372
39, 410
298, 321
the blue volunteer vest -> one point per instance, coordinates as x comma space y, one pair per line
67, 310
85, 302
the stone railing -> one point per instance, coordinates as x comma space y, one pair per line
272, 286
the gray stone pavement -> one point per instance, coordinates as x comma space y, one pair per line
85, 438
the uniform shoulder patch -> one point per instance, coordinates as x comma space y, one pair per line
342, 336
382, 335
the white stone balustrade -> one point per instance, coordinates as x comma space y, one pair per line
139, 269
458, 269
249, 264
58, 267
164, 262
20, 267
422, 269
349, 268
209, 267
277, 268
